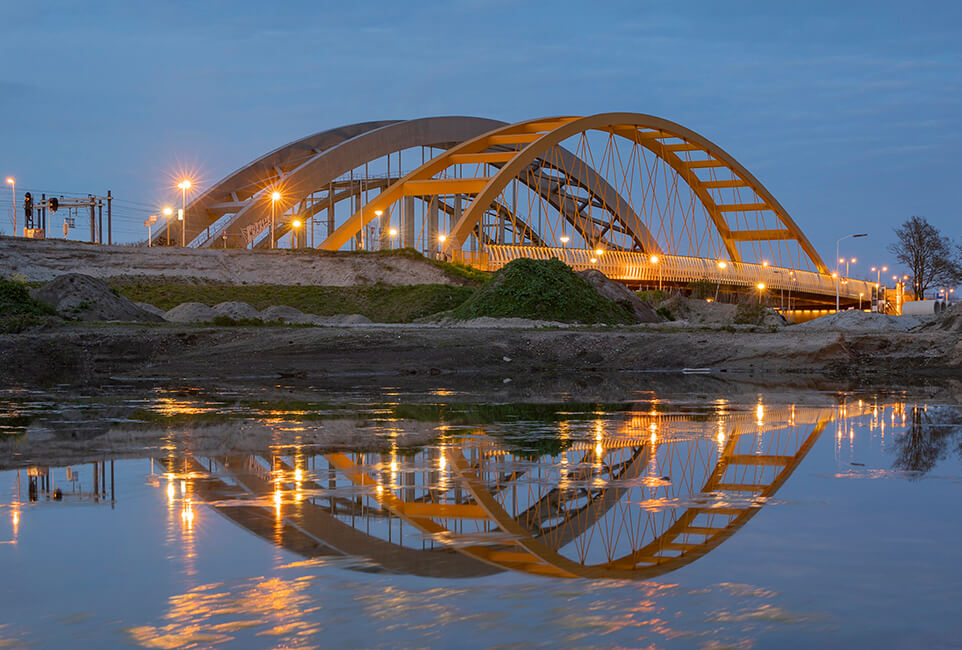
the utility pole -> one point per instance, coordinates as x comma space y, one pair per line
110, 230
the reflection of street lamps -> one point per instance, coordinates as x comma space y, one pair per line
12, 182
184, 185
654, 260
168, 212
275, 197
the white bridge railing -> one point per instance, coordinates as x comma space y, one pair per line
635, 267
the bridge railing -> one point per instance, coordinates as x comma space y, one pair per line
673, 269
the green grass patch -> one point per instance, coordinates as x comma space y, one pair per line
541, 290
18, 311
379, 302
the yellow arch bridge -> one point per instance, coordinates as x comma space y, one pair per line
645, 200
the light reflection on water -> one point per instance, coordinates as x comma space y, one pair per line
641, 517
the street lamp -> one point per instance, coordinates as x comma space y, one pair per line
835, 277
721, 267
837, 242
392, 233
168, 212
12, 182
183, 227
184, 185
275, 197
761, 290
295, 224
860, 295
654, 260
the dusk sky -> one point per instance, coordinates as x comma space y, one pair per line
848, 112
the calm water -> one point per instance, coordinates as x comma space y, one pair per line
761, 521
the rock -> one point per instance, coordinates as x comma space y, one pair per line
80, 296
191, 312
236, 310
619, 293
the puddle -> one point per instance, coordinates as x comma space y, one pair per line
186, 519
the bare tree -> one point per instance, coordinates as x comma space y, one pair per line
927, 253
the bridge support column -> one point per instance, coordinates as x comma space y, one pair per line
431, 245
407, 222
330, 210
385, 239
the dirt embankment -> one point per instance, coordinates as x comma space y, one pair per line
459, 358
43, 260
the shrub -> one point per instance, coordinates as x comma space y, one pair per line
541, 290
749, 313
702, 289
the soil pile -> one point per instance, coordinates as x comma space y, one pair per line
854, 320
236, 310
191, 312
42, 260
697, 310
285, 314
80, 296
547, 290
949, 320
622, 295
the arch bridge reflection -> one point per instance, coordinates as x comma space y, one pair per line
634, 500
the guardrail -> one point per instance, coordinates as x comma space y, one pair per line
634, 267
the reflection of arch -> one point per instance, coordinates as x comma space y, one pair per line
539, 533
536, 139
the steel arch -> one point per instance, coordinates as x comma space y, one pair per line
536, 137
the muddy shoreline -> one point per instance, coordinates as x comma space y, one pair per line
462, 358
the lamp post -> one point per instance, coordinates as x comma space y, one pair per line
184, 185
183, 227
835, 277
294, 226
721, 267
12, 182
654, 260
392, 233
761, 290
275, 197
168, 212
837, 242
860, 295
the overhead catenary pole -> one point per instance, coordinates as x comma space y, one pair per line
110, 238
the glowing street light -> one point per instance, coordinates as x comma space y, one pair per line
654, 260
275, 197
840, 260
721, 267
565, 239
12, 182
184, 185
168, 212
295, 224
442, 238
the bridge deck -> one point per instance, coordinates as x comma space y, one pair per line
672, 270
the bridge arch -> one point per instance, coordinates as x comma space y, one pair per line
721, 186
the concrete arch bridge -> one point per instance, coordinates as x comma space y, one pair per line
645, 200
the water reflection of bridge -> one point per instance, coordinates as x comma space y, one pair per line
635, 503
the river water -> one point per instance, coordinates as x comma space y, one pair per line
794, 519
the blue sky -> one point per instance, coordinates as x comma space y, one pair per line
848, 112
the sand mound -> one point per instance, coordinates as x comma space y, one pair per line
150, 309
619, 293
949, 320
697, 310
860, 321
81, 296
286, 314
236, 310
190, 312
